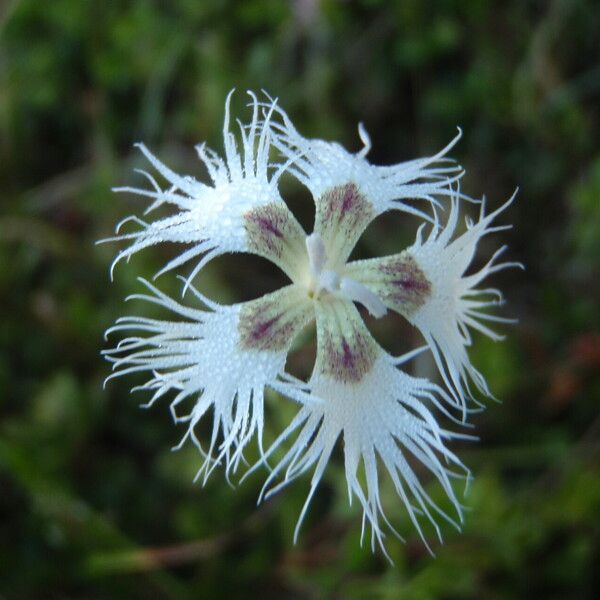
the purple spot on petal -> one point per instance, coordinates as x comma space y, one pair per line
405, 284
261, 329
417, 285
267, 226
271, 323
348, 360
343, 213
348, 357
272, 230
350, 195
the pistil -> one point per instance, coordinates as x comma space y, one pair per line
329, 281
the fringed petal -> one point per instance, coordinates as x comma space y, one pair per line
427, 284
240, 210
383, 416
349, 192
218, 360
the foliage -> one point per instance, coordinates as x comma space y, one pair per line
92, 503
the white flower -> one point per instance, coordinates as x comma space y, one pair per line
219, 359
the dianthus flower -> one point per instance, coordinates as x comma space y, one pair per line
223, 358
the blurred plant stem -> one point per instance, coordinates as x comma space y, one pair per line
148, 559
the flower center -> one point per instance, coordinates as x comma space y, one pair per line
328, 281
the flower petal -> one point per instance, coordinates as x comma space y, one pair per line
349, 192
346, 350
397, 280
221, 359
426, 284
381, 417
342, 214
239, 211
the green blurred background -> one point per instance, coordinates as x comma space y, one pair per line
92, 503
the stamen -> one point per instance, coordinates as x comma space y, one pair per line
316, 254
359, 293
330, 281
326, 279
